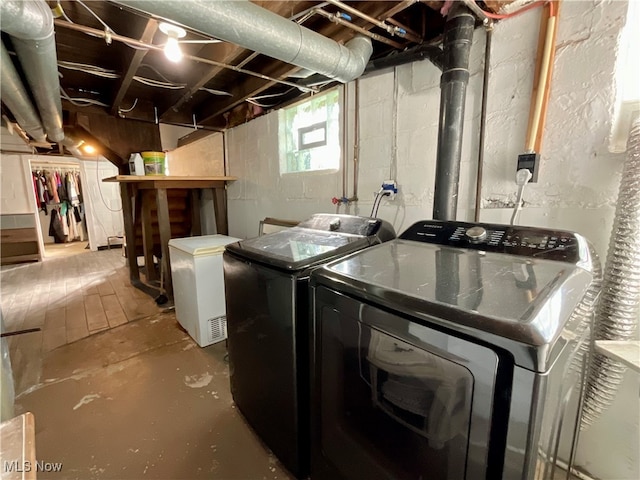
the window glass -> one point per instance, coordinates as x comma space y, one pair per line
309, 134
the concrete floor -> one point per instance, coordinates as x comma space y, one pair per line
139, 400
68, 298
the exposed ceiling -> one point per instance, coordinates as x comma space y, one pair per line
106, 76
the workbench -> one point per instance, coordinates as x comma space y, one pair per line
137, 203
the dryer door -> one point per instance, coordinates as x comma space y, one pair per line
399, 400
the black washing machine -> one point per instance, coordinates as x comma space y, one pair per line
453, 352
268, 323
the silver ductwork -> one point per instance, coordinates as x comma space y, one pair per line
618, 311
255, 28
17, 99
30, 24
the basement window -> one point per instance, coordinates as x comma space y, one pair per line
309, 134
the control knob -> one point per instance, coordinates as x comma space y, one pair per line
476, 234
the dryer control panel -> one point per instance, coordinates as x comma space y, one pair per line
511, 239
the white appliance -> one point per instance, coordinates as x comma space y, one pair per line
198, 286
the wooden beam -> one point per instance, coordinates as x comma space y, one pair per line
222, 52
147, 36
251, 87
82, 133
120, 136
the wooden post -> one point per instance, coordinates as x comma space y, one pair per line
147, 235
126, 193
164, 226
220, 208
196, 226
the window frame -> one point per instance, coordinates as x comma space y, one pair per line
283, 125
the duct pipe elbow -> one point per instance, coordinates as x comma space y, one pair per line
353, 61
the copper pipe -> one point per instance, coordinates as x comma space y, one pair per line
542, 77
345, 138
403, 26
554, 10
356, 140
336, 19
392, 30
483, 122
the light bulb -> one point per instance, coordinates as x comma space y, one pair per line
172, 49
89, 149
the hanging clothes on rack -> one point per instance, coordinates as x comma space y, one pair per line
60, 189
41, 190
72, 189
55, 227
53, 186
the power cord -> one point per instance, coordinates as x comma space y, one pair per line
376, 203
522, 178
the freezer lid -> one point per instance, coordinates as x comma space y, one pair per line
297, 248
519, 300
203, 245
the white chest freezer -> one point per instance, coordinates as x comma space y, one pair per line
198, 286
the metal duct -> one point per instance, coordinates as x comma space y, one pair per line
251, 26
17, 99
30, 24
619, 308
458, 37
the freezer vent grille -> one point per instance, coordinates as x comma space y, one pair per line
217, 329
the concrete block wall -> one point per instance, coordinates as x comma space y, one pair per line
578, 181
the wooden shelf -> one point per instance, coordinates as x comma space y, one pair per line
168, 182
163, 178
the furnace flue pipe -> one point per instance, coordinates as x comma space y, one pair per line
458, 37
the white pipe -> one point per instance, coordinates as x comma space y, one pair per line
253, 27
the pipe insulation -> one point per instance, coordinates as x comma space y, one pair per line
618, 311
458, 37
16, 98
255, 28
30, 24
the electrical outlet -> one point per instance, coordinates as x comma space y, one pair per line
391, 187
530, 161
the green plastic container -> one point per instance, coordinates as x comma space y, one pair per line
153, 162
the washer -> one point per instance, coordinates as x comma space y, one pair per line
454, 352
268, 323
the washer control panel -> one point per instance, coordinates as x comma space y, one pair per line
510, 239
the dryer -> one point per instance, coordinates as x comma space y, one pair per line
454, 352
